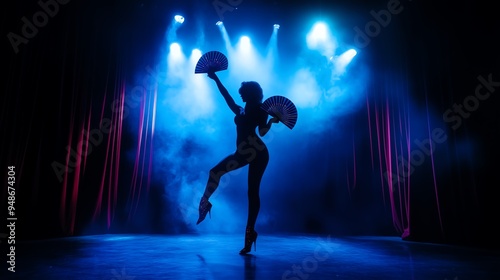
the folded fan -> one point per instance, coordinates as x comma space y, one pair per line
211, 61
282, 108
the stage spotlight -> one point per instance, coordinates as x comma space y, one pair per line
341, 62
351, 53
195, 55
319, 32
175, 59
245, 44
245, 40
276, 26
225, 36
175, 49
319, 38
179, 19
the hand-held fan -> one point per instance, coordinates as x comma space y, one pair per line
282, 108
211, 61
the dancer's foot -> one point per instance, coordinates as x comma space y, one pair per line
250, 238
205, 207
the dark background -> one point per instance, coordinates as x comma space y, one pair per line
60, 76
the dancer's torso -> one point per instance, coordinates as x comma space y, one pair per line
246, 124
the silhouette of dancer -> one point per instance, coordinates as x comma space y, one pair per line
250, 149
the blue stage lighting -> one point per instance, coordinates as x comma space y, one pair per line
175, 48
244, 45
320, 38
352, 53
179, 19
319, 32
196, 54
276, 26
245, 41
219, 23
340, 62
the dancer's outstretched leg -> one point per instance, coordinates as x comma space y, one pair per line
226, 165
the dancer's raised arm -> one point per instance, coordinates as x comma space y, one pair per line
229, 100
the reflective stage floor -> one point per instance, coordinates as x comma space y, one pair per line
127, 257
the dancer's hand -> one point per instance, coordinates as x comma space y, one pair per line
212, 75
274, 120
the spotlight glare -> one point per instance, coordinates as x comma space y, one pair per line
244, 44
352, 53
179, 19
219, 23
276, 26
196, 54
320, 31
175, 48
245, 40
343, 60
319, 38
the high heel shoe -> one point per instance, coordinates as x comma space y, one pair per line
205, 207
250, 238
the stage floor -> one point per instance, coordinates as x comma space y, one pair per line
127, 257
